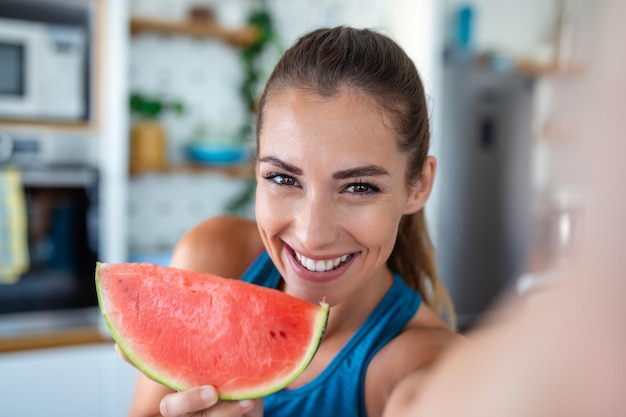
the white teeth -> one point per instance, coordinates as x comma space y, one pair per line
308, 263
321, 265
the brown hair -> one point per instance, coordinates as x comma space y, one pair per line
328, 61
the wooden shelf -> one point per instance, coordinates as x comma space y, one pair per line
53, 339
207, 29
539, 69
49, 125
241, 171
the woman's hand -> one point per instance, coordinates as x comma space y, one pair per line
203, 402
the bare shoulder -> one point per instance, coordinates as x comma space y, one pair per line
222, 245
417, 347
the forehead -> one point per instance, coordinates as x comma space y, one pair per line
349, 125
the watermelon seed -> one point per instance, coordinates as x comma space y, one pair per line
273, 334
283, 334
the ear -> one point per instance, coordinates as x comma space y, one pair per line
420, 190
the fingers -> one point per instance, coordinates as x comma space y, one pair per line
190, 401
242, 408
198, 401
257, 408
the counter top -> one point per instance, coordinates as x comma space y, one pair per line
39, 330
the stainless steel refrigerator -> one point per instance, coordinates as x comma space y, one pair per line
484, 185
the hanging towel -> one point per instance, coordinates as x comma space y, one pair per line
14, 259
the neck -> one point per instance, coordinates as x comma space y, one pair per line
348, 315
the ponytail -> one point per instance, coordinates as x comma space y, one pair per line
413, 257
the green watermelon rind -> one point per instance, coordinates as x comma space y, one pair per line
128, 353
271, 387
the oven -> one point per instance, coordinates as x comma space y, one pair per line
59, 181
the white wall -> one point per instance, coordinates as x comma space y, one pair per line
516, 27
418, 26
113, 152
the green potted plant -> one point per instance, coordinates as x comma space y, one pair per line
148, 138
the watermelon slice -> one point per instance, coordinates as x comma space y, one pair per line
186, 329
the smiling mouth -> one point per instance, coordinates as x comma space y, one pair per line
321, 265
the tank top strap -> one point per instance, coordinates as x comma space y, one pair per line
262, 272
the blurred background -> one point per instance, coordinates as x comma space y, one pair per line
124, 123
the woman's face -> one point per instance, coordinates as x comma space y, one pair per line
331, 191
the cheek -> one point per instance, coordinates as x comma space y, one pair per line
270, 212
374, 227
262, 208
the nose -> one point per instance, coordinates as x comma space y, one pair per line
316, 224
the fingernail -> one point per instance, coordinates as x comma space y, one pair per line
245, 403
208, 395
163, 407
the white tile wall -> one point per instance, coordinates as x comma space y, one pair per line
162, 207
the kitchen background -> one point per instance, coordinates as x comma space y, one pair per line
205, 76
492, 69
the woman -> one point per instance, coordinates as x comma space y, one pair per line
343, 175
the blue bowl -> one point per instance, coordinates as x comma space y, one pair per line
213, 153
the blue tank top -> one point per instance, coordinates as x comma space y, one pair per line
339, 389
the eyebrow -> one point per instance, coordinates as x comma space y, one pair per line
281, 164
364, 171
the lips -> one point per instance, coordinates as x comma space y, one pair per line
321, 265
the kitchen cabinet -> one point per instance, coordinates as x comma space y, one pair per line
87, 380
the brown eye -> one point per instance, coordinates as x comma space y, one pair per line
361, 188
281, 179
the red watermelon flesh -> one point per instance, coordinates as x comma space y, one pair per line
186, 329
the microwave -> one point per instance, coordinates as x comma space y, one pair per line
43, 71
